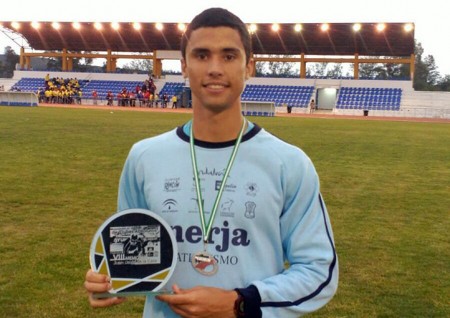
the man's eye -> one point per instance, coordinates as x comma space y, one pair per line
202, 56
229, 57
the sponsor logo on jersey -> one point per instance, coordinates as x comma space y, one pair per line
170, 206
250, 207
228, 187
172, 184
212, 172
194, 205
220, 238
225, 208
251, 188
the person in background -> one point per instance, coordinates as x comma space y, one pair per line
94, 97
312, 106
174, 101
79, 95
109, 98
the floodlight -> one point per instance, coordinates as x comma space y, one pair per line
98, 26
324, 27
357, 27
56, 25
252, 28
76, 25
275, 27
137, 26
182, 27
298, 27
381, 27
115, 26
159, 26
408, 27
35, 25
15, 25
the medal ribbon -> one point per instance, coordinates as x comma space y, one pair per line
206, 229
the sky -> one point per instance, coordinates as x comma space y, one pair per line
430, 17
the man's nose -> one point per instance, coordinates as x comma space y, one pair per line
215, 66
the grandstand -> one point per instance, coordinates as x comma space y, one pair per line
348, 97
369, 98
262, 96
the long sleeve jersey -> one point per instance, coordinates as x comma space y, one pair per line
271, 236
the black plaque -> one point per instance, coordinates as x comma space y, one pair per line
137, 249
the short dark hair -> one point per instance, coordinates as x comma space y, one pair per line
218, 17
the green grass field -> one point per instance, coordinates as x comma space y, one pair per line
386, 185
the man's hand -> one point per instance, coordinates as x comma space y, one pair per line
201, 302
99, 283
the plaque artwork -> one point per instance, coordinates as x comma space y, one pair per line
137, 249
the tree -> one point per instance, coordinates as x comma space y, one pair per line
426, 76
280, 69
2, 70
397, 71
335, 70
83, 63
143, 65
316, 69
432, 70
11, 59
259, 69
444, 83
276, 69
54, 64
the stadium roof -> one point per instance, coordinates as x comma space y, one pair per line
339, 39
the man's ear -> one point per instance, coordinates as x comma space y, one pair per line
249, 68
184, 68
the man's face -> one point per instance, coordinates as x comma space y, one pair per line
216, 67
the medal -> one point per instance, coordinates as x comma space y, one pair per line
203, 262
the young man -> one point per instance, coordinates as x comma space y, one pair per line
246, 202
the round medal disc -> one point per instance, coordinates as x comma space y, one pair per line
137, 249
204, 263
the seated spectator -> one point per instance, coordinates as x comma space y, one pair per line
150, 99
156, 99
165, 100
146, 98
132, 98
125, 97
140, 98
48, 95
94, 96
79, 96
40, 93
109, 98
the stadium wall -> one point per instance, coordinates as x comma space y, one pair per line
413, 104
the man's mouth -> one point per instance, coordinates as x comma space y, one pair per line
215, 85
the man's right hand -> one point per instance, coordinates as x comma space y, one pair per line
99, 283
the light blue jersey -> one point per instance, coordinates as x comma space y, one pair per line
271, 211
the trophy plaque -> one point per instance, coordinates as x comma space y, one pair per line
137, 249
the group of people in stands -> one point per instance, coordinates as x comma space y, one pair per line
58, 90
144, 95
